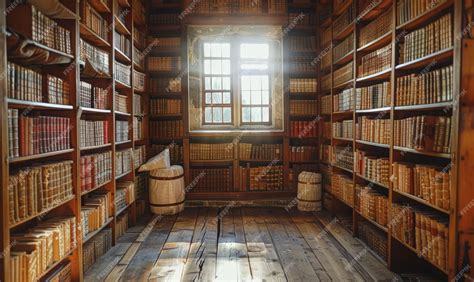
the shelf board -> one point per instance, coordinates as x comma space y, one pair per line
312, 94
159, 5
96, 147
124, 3
164, 73
344, 84
123, 209
259, 161
43, 212
95, 188
39, 156
373, 222
99, 6
376, 43
166, 50
121, 57
93, 111
436, 106
437, 57
120, 27
122, 175
166, 116
343, 139
304, 162
429, 154
92, 37
345, 32
121, 85
377, 110
52, 54
342, 168
211, 162
385, 74
372, 181
425, 17
344, 59
386, 146
51, 267
95, 232
156, 29
374, 11
421, 201
20, 104
340, 200
123, 142
122, 114
343, 113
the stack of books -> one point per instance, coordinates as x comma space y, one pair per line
139, 81
122, 43
165, 85
375, 238
94, 21
343, 129
303, 129
212, 179
409, 9
262, 178
341, 22
95, 170
122, 73
93, 133
343, 157
121, 225
372, 204
343, 74
343, 48
376, 28
139, 156
24, 84
141, 186
302, 43
303, 153
326, 102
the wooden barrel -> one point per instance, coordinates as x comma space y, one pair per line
309, 191
167, 190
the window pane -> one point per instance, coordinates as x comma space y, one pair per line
226, 83
216, 83
216, 98
265, 97
208, 98
227, 115
255, 82
216, 67
256, 98
225, 50
245, 82
265, 83
226, 98
207, 50
254, 66
254, 51
217, 115
226, 67
207, 66
216, 50
265, 114
256, 114
246, 114
245, 97
207, 83
208, 114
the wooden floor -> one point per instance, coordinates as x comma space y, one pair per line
239, 244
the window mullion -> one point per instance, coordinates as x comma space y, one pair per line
235, 81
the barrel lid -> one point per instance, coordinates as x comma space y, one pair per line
311, 177
172, 171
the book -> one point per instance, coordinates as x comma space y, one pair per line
343, 101
212, 179
376, 61
166, 129
138, 57
301, 43
326, 102
215, 151
342, 157
342, 129
138, 106
409, 9
141, 185
376, 28
93, 133
326, 82
303, 107
373, 129
121, 103
94, 20
98, 58
122, 73
121, 225
302, 63
139, 81
303, 153
325, 153
165, 42
374, 168
249, 151
96, 247
303, 129
165, 106
372, 204
122, 44
121, 131
343, 74
137, 128
124, 195
176, 151
164, 63
298, 85
95, 170
262, 178
164, 19
93, 97
342, 21
123, 162
375, 238
13, 134
165, 85
374, 96
139, 156
96, 210
342, 188
343, 48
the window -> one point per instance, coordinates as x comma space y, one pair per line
252, 77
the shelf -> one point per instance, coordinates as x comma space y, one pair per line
344, 59
429, 107
259, 161
39, 156
377, 110
437, 57
344, 84
93, 111
164, 73
95, 232
121, 85
211, 162
345, 32
123, 209
122, 175
166, 50
51, 267
343, 139
166, 116
99, 6
376, 8
124, 3
343, 113
20, 104
92, 37
342, 168
373, 222
376, 43
340, 200
123, 142
120, 27
386, 146
372, 181
429, 154
122, 114
42, 213
385, 74
304, 162
95, 147
425, 17
421, 201
121, 57
95, 188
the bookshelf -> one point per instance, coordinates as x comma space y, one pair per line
69, 89
378, 89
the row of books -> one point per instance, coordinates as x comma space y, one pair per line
298, 85
124, 195
138, 106
343, 74
325, 153
165, 106
36, 135
426, 182
326, 129
176, 151
343, 101
212, 179
302, 63
217, 151
166, 42
326, 82
302, 18
373, 129
342, 157
302, 43
303, 153
93, 133
139, 38
326, 59
139, 80
122, 73
303, 107
97, 57
375, 238
164, 63
372, 204
424, 133
326, 37
96, 247
342, 188
345, 19
94, 21
24, 83
121, 225
166, 129
138, 57
39, 188
376, 61
373, 96
326, 102
123, 162
262, 178
376, 28
374, 168
93, 97
121, 131
432, 38
239, 7
62, 272
95, 170
164, 19
343, 129
409, 9
37, 249
122, 43
141, 186
96, 210
303, 129
343, 48
248, 151
137, 128
139, 156
121, 103
430, 87
40, 28
165, 85
427, 232
139, 13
